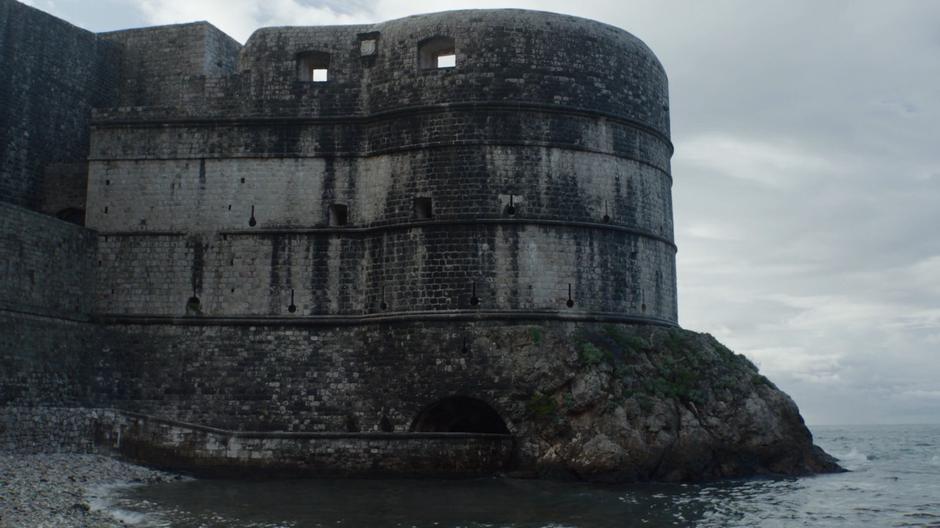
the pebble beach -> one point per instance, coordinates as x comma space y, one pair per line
64, 490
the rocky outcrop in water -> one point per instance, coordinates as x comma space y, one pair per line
621, 402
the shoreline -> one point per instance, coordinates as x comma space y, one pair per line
66, 490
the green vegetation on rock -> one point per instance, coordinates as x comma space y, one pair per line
649, 389
536, 334
590, 354
541, 406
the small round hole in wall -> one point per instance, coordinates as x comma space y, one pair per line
292, 308
107, 182
643, 307
569, 303
474, 301
606, 219
243, 180
383, 305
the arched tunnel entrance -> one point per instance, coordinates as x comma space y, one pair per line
459, 414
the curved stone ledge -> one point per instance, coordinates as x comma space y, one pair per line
164, 117
404, 226
210, 451
372, 435
378, 318
445, 125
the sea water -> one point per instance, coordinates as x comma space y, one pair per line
894, 480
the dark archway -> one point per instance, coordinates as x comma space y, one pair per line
74, 215
459, 414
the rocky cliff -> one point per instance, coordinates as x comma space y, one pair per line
620, 402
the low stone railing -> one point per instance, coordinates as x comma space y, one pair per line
202, 450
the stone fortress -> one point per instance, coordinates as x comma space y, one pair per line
534, 171
338, 249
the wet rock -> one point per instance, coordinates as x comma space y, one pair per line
60, 490
663, 404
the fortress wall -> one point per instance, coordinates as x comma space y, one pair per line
568, 117
524, 56
283, 378
51, 75
513, 266
213, 452
46, 265
132, 134
49, 353
504, 55
176, 191
156, 62
51, 361
464, 183
30, 429
63, 191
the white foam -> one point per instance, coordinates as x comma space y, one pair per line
853, 456
102, 498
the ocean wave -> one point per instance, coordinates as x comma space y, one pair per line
854, 455
104, 498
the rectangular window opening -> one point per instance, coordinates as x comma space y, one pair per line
312, 66
447, 61
437, 52
422, 208
339, 215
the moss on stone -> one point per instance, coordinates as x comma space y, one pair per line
589, 354
541, 406
536, 334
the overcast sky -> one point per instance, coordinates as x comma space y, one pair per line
807, 175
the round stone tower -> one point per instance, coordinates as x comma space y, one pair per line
495, 163
365, 228
440, 244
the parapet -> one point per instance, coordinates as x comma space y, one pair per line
505, 56
156, 61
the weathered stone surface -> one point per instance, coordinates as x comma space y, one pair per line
51, 75
400, 249
587, 400
214, 452
656, 403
